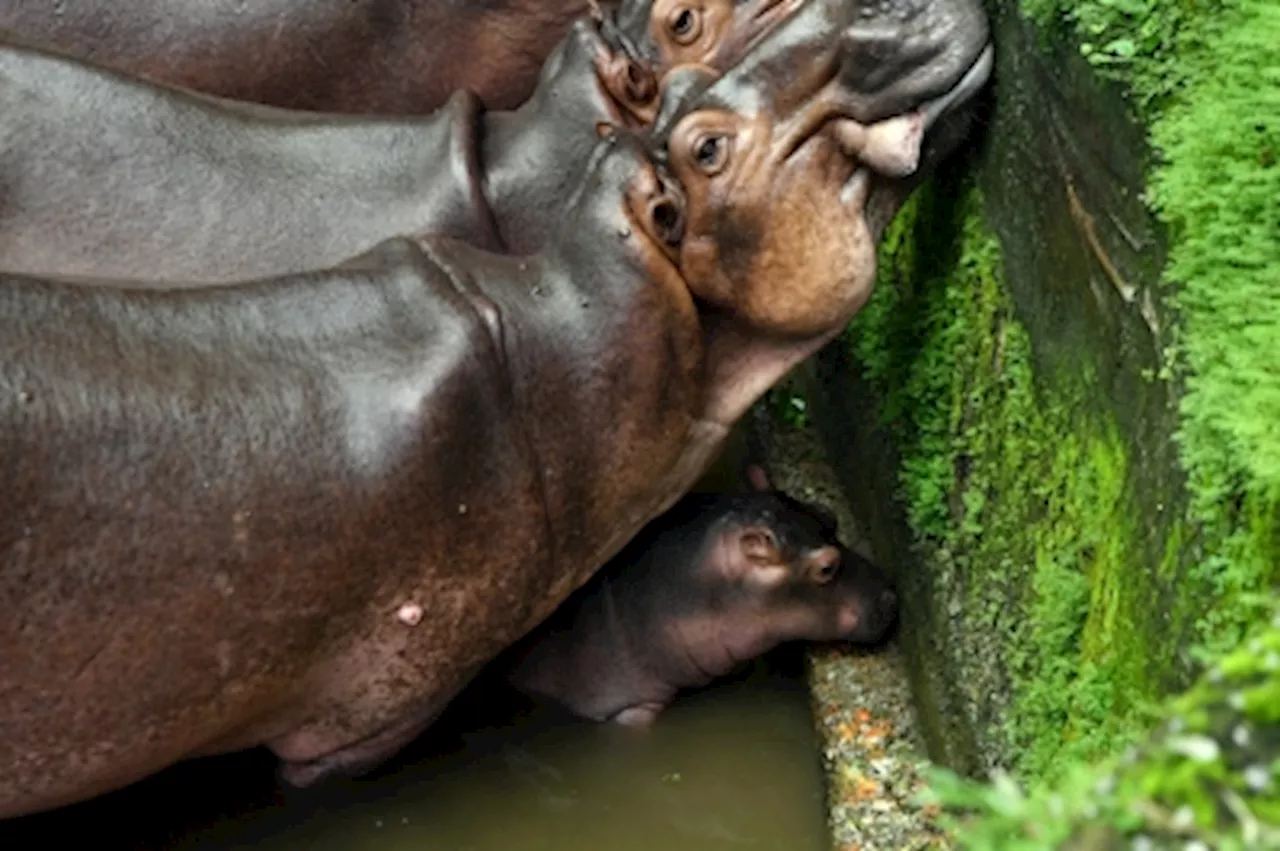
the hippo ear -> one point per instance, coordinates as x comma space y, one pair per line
605, 129
761, 565
759, 478
759, 546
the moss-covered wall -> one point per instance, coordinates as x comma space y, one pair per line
1059, 418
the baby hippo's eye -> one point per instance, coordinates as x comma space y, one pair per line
711, 153
824, 564
685, 25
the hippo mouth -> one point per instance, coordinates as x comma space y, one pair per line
963, 91
892, 148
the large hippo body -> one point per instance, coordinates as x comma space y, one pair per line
303, 512
113, 177
357, 56
106, 175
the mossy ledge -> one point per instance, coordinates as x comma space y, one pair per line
1208, 777
1072, 363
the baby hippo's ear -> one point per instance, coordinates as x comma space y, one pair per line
762, 560
758, 478
821, 565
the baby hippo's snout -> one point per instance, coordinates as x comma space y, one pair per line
869, 610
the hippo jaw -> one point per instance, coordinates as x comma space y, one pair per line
746, 359
945, 122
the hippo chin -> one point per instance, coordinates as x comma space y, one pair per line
715, 582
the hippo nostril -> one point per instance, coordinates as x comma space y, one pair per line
668, 222
641, 86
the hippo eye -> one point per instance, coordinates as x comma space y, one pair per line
711, 152
686, 25
824, 564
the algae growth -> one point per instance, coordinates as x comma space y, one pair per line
1205, 79
1017, 478
1208, 777
1018, 490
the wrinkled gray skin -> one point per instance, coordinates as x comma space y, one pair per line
712, 584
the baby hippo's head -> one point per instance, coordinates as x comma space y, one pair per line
789, 569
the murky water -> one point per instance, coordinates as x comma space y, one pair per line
732, 767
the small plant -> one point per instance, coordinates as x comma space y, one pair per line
1207, 778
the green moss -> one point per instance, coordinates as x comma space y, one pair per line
1209, 774
1219, 192
1017, 490
1019, 485
787, 405
1144, 44
1205, 75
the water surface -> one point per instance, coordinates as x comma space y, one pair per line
732, 767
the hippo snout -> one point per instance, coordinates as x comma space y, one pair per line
898, 54
869, 617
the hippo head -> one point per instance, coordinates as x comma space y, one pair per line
782, 157
712, 33
903, 49
790, 574
758, 220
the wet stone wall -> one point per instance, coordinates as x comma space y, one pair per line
1026, 419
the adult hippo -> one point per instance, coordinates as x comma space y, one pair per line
105, 175
303, 512
389, 57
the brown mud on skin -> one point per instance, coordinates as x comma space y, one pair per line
873, 751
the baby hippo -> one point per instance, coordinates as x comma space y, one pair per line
714, 582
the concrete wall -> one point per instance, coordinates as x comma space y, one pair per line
1058, 420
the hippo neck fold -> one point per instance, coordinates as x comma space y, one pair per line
604, 353
532, 156
742, 364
